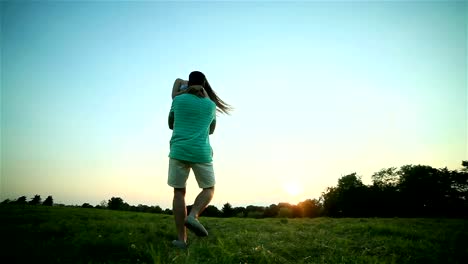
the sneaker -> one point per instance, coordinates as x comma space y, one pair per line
195, 226
179, 244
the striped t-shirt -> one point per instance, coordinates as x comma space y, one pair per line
193, 116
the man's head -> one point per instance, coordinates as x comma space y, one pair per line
197, 78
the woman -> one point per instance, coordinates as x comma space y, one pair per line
181, 86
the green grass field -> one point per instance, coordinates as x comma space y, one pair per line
77, 235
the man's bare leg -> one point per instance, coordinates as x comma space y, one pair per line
180, 213
202, 201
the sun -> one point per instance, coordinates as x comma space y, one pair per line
293, 188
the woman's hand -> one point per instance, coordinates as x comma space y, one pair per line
205, 94
176, 87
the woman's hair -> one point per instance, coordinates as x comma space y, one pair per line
198, 78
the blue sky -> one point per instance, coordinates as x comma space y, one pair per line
320, 90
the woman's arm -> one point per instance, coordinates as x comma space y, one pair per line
176, 88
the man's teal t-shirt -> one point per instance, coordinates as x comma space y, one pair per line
193, 116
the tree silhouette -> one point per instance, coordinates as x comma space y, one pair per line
285, 212
239, 211
386, 178
21, 200
86, 205
310, 208
271, 211
227, 210
102, 204
212, 211
49, 201
143, 208
330, 202
465, 166
254, 211
460, 181
155, 209
36, 200
385, 199
350, 181
423, 189
410, 191
350, 196
115, 203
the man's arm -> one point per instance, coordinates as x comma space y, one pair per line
170, 120
176, 87
212, 126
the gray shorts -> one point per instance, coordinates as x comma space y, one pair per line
179, 171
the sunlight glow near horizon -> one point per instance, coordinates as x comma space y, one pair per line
320, 90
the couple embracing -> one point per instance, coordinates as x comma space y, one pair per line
192, 119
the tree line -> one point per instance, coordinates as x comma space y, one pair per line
408, 191
36, 200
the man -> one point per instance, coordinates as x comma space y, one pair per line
192, 118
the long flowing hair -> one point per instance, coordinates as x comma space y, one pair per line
198, 78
